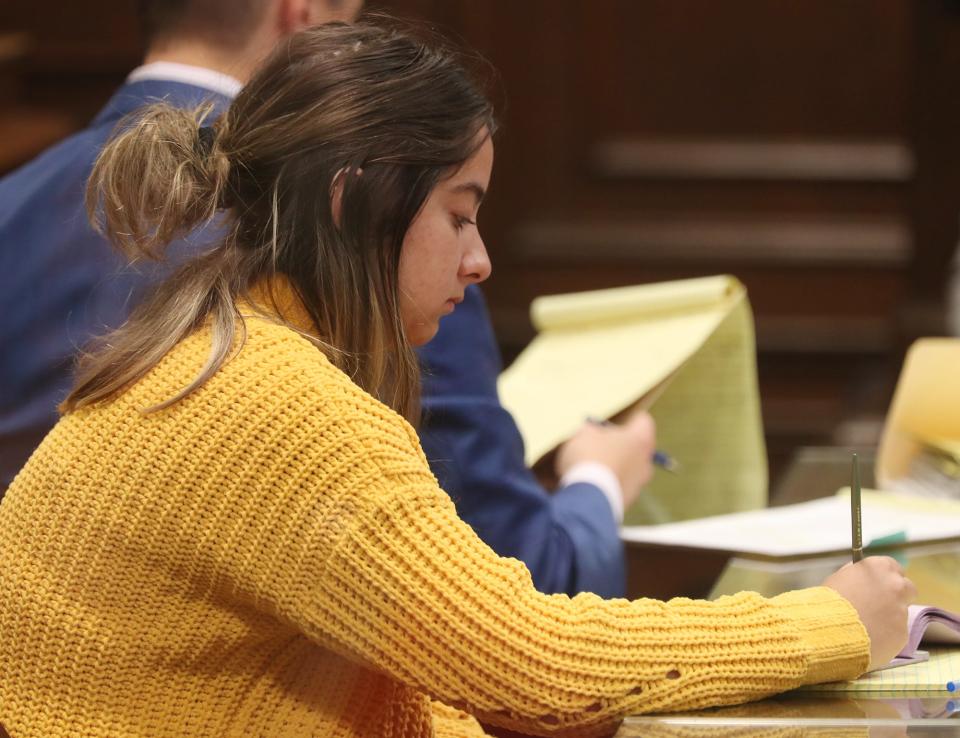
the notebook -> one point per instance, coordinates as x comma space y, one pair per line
936, 670
684, 350
926, 624
925, 407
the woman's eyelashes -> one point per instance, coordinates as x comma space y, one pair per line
461, 221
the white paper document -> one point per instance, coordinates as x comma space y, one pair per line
808, 528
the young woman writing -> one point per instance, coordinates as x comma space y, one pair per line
233, 531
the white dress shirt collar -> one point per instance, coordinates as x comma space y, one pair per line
218, 82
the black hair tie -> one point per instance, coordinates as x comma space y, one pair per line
205, 137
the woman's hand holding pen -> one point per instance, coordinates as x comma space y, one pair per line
627, 450
880, 593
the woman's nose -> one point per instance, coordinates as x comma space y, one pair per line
476, 266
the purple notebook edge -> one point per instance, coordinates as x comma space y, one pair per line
919, 618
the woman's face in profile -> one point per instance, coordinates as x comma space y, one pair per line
443, 252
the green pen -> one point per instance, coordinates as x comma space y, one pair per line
857, 528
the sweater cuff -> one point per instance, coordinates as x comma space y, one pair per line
838, 646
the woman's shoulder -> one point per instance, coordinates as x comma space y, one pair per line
277, 354
275, 380
290, 373
263, 341
264, 353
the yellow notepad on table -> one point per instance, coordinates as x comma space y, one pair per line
934, 675
925, 408
685, 350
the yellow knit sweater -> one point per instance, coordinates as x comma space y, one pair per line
271, 557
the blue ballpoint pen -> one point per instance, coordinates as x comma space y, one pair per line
665, 461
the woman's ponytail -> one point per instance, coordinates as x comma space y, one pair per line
160, 178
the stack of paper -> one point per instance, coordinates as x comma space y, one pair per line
685, 350
808, 528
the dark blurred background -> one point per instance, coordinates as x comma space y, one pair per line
809, 147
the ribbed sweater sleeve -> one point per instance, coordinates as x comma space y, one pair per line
388, 575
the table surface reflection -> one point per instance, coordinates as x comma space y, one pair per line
934, 569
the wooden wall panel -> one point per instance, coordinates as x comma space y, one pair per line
72, 57
745, 68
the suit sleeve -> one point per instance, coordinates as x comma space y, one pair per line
569, 540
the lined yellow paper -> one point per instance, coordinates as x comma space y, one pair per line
926, 405
688, 349
927, 676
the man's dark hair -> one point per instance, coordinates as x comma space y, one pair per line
222, 22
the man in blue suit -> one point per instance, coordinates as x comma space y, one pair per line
63, 284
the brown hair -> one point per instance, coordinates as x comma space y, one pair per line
331, 102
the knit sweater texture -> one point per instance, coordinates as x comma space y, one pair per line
270, 556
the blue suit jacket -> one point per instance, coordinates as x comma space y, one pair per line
60, 283
569, 540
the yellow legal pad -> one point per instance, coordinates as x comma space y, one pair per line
683, 349
925, 407
926, 676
